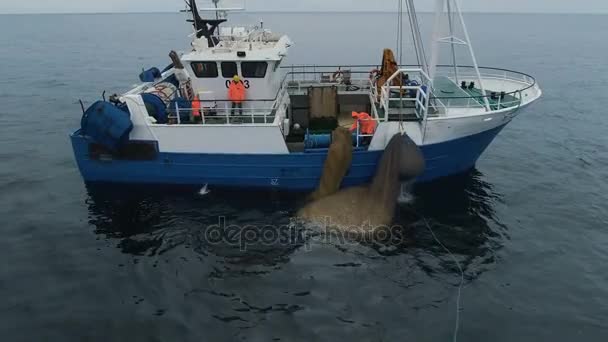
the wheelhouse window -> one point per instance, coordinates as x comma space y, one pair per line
205, 69
254, 69
229, 69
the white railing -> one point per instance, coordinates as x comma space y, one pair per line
419, 83
458, 103
221, 112
300, 78
360, 135
507, 88
420, 101
231, 42
514, 83
355, 85
328, 74
208, 116
465, 73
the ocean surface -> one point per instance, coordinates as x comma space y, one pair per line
529, 225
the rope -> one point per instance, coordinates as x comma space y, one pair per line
457, 323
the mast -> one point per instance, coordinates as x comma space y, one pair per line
417, 36
440, 7
452, 46
414, 29
400, 31
205, 27
217, 13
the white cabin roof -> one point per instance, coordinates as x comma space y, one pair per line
258, 45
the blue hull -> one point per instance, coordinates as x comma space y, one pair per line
296, 171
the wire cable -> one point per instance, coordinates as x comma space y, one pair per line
411, 14
457, 323
400, 30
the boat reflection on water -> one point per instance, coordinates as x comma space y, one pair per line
244, 228
253, 228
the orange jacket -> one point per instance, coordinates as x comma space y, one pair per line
196, 106
366, 123
236, 92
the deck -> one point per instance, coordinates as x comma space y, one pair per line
452, 95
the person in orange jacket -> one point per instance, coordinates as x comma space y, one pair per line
236, 94
196, 110
367, 125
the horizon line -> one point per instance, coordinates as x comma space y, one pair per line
288, 11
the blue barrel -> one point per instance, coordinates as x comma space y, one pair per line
107, 125
316, 141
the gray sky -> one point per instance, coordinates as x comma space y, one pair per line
80, 6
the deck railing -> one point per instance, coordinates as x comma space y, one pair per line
419, 101
223, 116
300, 78
357, 78
468, 73
416, 82
498, 102
299, 75
359, 135
442, 70
221, 112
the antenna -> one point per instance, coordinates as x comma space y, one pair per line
220, 6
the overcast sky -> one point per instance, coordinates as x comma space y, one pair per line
95, 6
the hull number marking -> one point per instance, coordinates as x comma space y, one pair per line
245, 82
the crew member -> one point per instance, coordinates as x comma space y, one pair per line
197, 115
236, 94
367, 126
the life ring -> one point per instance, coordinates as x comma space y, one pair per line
338, 76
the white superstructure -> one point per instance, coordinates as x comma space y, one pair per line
434, 105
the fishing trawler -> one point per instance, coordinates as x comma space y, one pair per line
179, 128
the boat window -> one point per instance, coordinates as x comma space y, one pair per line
205, 69
254, 69
229, 69
276, 66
